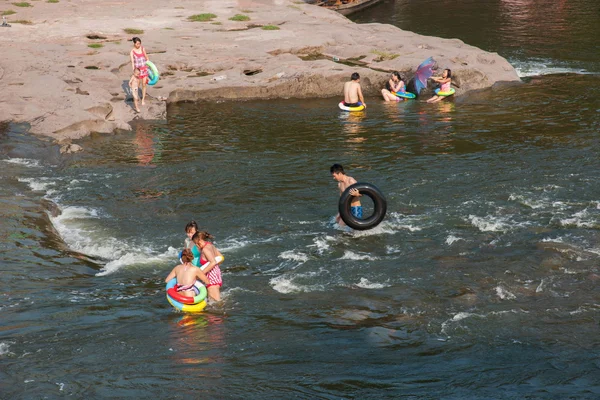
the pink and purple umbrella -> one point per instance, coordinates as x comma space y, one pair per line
424, 72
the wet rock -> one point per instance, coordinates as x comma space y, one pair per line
51, 207
70, 148
101, 111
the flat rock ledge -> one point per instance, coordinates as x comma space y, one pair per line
65, 66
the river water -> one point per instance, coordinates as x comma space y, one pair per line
482, 282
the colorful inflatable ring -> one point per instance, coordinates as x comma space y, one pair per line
192, 308
186, 307
405, 95
153, 74
448, 93
344, 107
175, 295
152, 79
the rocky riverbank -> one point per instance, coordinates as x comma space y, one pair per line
65, 65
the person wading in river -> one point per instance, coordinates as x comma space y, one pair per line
344, 181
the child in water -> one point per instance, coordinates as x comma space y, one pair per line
190, 229
212, 270
396, 85
445, 81
134, 85
187, 274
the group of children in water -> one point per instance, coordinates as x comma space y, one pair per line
353, 96
197, 253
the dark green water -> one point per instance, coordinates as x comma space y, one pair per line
536, 36
481, 283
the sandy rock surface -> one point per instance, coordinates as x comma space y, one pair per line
51, 78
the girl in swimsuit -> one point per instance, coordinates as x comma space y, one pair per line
138, 58
395, 84
212, 271
187, 274
190, 229
445, 81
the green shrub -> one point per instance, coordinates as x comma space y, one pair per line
201, 17
270, 28
95, 45
383, 56
240, 17
133, 31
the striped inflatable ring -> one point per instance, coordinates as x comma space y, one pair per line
175, 295
191, 308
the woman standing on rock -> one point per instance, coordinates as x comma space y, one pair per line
138, 60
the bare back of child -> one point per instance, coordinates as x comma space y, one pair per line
187, 274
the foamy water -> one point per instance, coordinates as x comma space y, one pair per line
366, 284
350, 255
5, 349
296, 282
544, 67
23, 161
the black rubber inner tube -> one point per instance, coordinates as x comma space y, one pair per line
379, 204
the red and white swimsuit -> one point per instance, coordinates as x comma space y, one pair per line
139, 61
214, 275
